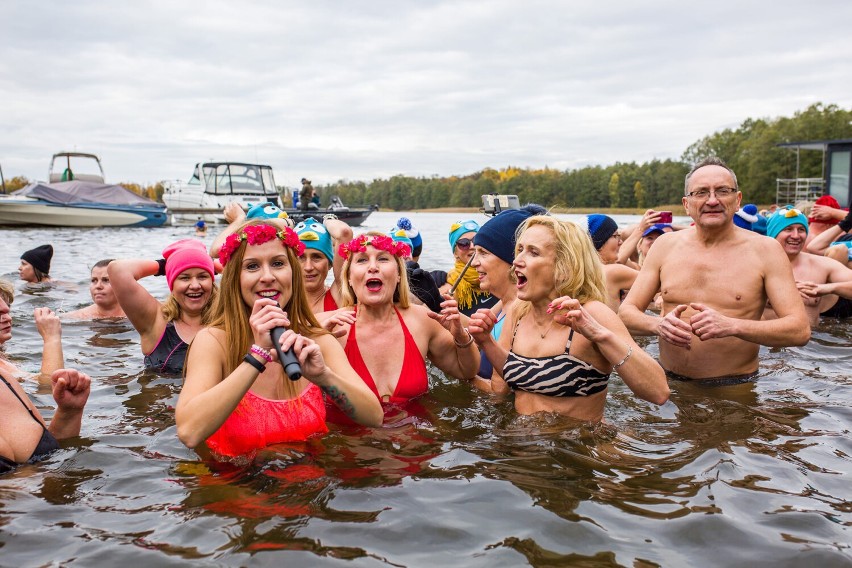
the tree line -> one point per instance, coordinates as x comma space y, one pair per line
751, 150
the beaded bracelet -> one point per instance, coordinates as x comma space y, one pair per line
466, 343
626, 357
258, 350
254, 363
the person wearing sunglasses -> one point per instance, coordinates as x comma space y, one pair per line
825, 285
715, 280
463, 281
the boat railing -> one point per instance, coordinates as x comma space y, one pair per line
793, 190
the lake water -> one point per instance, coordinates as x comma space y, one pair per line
749, 475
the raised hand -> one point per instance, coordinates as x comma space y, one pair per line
70, 389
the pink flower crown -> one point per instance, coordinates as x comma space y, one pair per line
257, 235
380, 242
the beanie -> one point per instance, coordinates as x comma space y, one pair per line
266, 210
782, 219
746, 216
399, 236
828, 201
497, 235
314, 235
459, 228
601, 228
40, 257
185, 254
413, 235
759, 226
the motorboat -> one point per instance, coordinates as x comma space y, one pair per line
213, 185
76, 195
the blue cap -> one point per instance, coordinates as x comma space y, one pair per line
657, 228
314, 235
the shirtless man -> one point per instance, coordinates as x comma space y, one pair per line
819, 279
715, 280
105, 303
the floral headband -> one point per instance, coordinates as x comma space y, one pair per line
257, 235
380, 242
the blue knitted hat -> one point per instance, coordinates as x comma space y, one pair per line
413, 235
314, 235
746, 216
399, 236
497, 235
759, 226
601, 228
266, 210
783, 218
459, 228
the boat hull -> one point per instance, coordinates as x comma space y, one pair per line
35, 212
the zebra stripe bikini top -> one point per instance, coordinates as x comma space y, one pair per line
555, 375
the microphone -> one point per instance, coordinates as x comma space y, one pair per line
288, 359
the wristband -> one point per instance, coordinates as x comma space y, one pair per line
161, 271
254, 363
626, 357
466, 343
260, 351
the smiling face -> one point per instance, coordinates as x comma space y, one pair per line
26, 272
493, 271
101, 289
374, 276
535, 258
793, 239
464, 247
711, 211
316, 266
265, 272
192, 289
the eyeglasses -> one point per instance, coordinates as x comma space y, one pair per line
720, 193
464, 243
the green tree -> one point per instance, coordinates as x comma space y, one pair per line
614, 196
639, 194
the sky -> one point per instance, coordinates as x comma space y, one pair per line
370, 89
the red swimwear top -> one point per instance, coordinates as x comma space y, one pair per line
413, 380
328, 303
258, 422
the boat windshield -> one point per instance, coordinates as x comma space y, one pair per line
243, 179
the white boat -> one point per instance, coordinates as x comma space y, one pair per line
78, 197
215, 184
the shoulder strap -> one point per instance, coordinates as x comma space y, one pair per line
21, 400
570, 337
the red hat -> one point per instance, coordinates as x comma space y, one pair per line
185, 254
830, 202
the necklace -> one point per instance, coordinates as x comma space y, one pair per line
546, 331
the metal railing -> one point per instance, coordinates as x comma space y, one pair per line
793, 190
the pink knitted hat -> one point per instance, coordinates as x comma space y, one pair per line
185, 254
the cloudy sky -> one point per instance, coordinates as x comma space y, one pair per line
361, 90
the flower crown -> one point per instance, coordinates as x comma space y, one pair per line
257, 235
380, 242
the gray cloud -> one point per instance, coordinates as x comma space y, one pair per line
334, 90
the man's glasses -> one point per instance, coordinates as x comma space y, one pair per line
720, 193
464, 243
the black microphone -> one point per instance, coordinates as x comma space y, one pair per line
288, 359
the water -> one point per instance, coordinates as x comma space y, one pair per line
746, 475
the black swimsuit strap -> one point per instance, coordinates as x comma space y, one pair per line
21, 400
568, 345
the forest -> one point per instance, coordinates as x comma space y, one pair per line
751, 151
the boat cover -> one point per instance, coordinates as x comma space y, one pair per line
83, 192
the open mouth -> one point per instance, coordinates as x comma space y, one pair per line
374, 284
271, 294
522, 280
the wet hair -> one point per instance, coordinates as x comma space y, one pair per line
102, 263
7, 291
231, 314
709, 161
578, 269
402, 293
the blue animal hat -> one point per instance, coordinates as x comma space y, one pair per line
266, 210
314, 235
783, 218
399, 236
459, 228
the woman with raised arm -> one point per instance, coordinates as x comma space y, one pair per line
563, 342
236, 396
166, 329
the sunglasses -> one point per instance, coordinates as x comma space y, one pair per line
464, 243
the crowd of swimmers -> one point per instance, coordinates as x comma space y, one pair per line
540, 308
